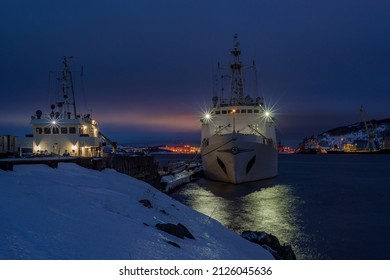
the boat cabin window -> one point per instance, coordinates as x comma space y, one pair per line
249, 111
72, 130
223, 112
64, 130
38, 130
47, 130
56, 130
217, 112
243, 111
256, 111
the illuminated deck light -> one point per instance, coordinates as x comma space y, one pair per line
206, 117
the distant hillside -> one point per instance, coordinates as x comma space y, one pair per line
354, 133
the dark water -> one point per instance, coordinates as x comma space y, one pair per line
325, 206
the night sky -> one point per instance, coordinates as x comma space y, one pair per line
148, 64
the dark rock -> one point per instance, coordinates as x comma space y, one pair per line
288, 253
164, 212
271, 244
146, 224
173, 244
176, 230
146, 203
186, 232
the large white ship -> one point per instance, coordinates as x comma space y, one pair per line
238, 133
62, 131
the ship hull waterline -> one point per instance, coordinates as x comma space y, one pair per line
237, 158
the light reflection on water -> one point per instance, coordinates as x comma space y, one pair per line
325, 206
258, 206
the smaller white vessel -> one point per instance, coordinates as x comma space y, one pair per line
63, 131
172, 181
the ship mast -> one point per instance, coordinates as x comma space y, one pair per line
236, 82
67, 85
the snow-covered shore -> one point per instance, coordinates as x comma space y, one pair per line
71, 212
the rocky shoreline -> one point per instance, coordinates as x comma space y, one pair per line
271, 244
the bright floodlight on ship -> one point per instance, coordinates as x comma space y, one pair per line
53, 122
206, 117
268, 114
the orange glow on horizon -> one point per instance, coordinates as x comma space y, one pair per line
173, 122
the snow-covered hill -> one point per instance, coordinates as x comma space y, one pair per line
354, 133
75, 213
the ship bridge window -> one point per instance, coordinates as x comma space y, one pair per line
249, 111
223, 112
56, 130
256, 111
64, 130
47, 130
38, 130
243, 111
72, 130
217, 112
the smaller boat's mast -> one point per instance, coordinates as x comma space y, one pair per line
68, 79
236, 83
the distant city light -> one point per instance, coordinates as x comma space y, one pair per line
185, 149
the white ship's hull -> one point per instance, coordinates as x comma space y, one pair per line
238, 158
238, 134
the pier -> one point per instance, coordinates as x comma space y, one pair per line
142, 167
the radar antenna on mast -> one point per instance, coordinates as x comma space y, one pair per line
236, 82
67, 84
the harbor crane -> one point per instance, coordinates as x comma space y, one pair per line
371, 130
113, 144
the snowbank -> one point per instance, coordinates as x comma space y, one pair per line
75, 213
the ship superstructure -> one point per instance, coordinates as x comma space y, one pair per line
238, 139
63, 131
